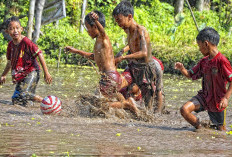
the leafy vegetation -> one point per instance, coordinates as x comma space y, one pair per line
173, 39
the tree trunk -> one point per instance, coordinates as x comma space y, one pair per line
200, 5
30, 19
83, 15
179, 5
207, 5
38, 17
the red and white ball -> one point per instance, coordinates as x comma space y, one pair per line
50, 105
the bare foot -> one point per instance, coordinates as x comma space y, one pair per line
133, 106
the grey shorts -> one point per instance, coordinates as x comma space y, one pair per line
158, 76
25, 89
217, 118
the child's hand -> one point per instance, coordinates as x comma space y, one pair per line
47, 78
119, 54
67, 49
118, 59
2, 80
224, 103
94, 15
179, 66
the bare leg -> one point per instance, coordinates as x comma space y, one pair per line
131, 104
186, 111
127, 104
116, 104
38, 98
159, 101
123, 103
135, 90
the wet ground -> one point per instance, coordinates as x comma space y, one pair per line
24, 131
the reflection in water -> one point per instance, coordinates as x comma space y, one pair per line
13, 144
25, 131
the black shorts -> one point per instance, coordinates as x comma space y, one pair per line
217, 118
25, 89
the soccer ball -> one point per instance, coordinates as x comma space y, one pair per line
50, 105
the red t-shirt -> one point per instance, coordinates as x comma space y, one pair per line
23, 58
216, 73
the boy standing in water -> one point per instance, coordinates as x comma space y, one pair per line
111, 81
215, 71
21, 59
145, 71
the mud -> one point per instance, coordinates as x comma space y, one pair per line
87, 127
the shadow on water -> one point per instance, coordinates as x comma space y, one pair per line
18, 113
5, 102
157, 127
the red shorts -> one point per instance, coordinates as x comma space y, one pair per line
126, 74
110, 83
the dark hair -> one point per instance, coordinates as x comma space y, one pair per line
13, 18
209, 34
125, 8
101, 18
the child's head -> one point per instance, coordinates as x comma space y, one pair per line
207, 38
12, 19
209, 34
14, 28
123, 13
90, 24
125, 8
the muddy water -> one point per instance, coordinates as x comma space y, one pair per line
24, 131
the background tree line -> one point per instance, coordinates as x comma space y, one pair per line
169, 22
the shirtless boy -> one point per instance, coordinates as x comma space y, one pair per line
111, 81
142, 67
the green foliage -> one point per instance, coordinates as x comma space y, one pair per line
224, 12
8, 9
3, 45
173, 39
73, 10
57, 37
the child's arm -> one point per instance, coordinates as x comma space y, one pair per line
120, 53
225, 99
80, 52
47, 76
6, 70
140, 54
180, 66
99, 26
118, 56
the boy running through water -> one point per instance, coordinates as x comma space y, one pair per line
215, 71
111, 81
21, 60
145, 71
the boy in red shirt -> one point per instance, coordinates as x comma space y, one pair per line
215, 71
21, 60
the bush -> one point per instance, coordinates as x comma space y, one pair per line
173, 39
